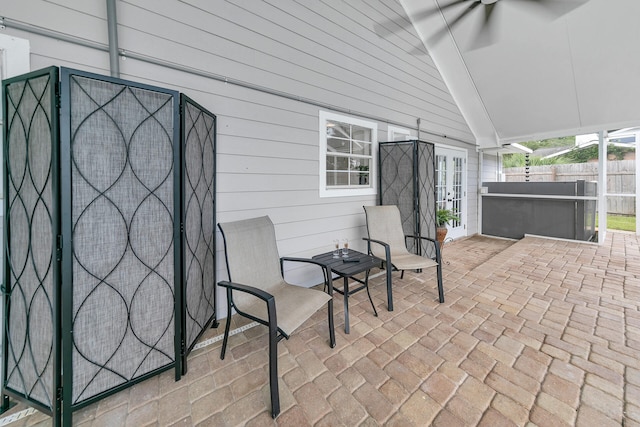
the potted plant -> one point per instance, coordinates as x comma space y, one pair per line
443, 216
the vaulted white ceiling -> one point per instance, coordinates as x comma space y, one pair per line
541, 74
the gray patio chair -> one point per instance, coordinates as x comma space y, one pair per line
388, 242
258, 291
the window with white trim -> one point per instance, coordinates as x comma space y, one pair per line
398, 134
348, 153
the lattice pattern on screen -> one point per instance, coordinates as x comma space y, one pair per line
407, 179
29, 313
426, 194
199, 134
397, 181
122, 156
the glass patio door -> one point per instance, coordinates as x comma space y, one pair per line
451, 191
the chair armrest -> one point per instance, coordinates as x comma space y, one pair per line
380, 242
325, 270
272, 317
307, 260
256, 292
436, 244
387, 249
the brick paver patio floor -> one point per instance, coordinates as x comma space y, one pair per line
535, 332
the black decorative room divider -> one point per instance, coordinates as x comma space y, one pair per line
198, 216
109, 237
407, 179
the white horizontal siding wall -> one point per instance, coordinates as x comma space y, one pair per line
490, 164
473, 172
331, 54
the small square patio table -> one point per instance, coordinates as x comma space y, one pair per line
347, 268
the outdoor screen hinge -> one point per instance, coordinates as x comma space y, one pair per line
59, 248
59, 394
56, 88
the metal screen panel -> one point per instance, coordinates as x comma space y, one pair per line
122, 160
397, 181
407, 179
198, 210
31, 224
426, 196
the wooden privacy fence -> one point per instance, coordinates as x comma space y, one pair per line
621, 179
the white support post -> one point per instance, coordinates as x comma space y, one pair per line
602, 188
479, 189
637, 184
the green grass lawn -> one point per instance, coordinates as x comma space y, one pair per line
621, 222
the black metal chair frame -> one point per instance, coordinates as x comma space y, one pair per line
275, 333
388, 265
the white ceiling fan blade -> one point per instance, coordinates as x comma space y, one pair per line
453, 22
484, 37
550, 9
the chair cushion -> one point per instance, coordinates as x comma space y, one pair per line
294, 305
252, 259
412, 262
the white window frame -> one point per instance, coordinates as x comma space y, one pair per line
338, 191
392, 131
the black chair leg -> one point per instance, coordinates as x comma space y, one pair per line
273, 370
227, 325
389, 295
440, 287
332, 332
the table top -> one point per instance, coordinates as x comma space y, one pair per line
346, 269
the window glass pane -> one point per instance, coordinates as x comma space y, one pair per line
361, 148
337, 163
337, 145
441, 181
338, 129
331, 178
360, 178
337, 178
361, 164
331, 163
361, 133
